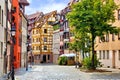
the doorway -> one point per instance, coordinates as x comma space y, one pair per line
44, 58
113, 59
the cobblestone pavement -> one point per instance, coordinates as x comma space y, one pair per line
56, 72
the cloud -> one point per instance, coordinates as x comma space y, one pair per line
29, 10
45, 8
52, 7
29, 1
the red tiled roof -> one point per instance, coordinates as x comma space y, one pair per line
34, 15
24, 2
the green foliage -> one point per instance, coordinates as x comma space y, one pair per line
87, 62
56, 27
93, 17
74, 46
62, 60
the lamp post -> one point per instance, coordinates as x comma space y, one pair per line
27, 55
13, 32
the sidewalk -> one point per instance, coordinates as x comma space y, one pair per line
111, 70
17, 71
4, 77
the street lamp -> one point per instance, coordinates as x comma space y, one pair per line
13, 32
27, 55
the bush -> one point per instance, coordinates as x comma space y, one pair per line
87, 62
62, 60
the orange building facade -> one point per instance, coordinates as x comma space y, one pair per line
19, 7
17, 47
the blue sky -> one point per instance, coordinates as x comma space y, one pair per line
45, 6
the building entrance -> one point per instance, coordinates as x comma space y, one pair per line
44, 58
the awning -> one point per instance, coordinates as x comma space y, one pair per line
68, 55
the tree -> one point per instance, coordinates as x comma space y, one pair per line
81, 42
84, 41
94, 17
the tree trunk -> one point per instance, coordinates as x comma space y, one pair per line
83, 55
93, 55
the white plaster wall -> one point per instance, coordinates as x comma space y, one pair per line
56, 42
117, 60
105, 62
55, 58
56, 46
2, 28
24, 35
24, 41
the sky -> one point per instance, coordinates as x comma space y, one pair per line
45, 6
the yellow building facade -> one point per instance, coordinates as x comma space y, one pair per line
42, 38
108, 51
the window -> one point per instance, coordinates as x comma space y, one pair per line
113, 37
45, 47
119, 55
0, 14
66, 35
37, 32
37, 48
37, 57
45, 30
61, 47
107, 37
119, 14
107, 54
33, 39
2, 17
103, 54
118, 35
5, 10
33, 47
33, 31
48, 57
100, 55
45, 39
1, 46
37, 39
8, 14
66, 45
20, 40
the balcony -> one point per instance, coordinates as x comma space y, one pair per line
61, 32
66, 30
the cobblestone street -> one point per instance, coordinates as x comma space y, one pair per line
56, 72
